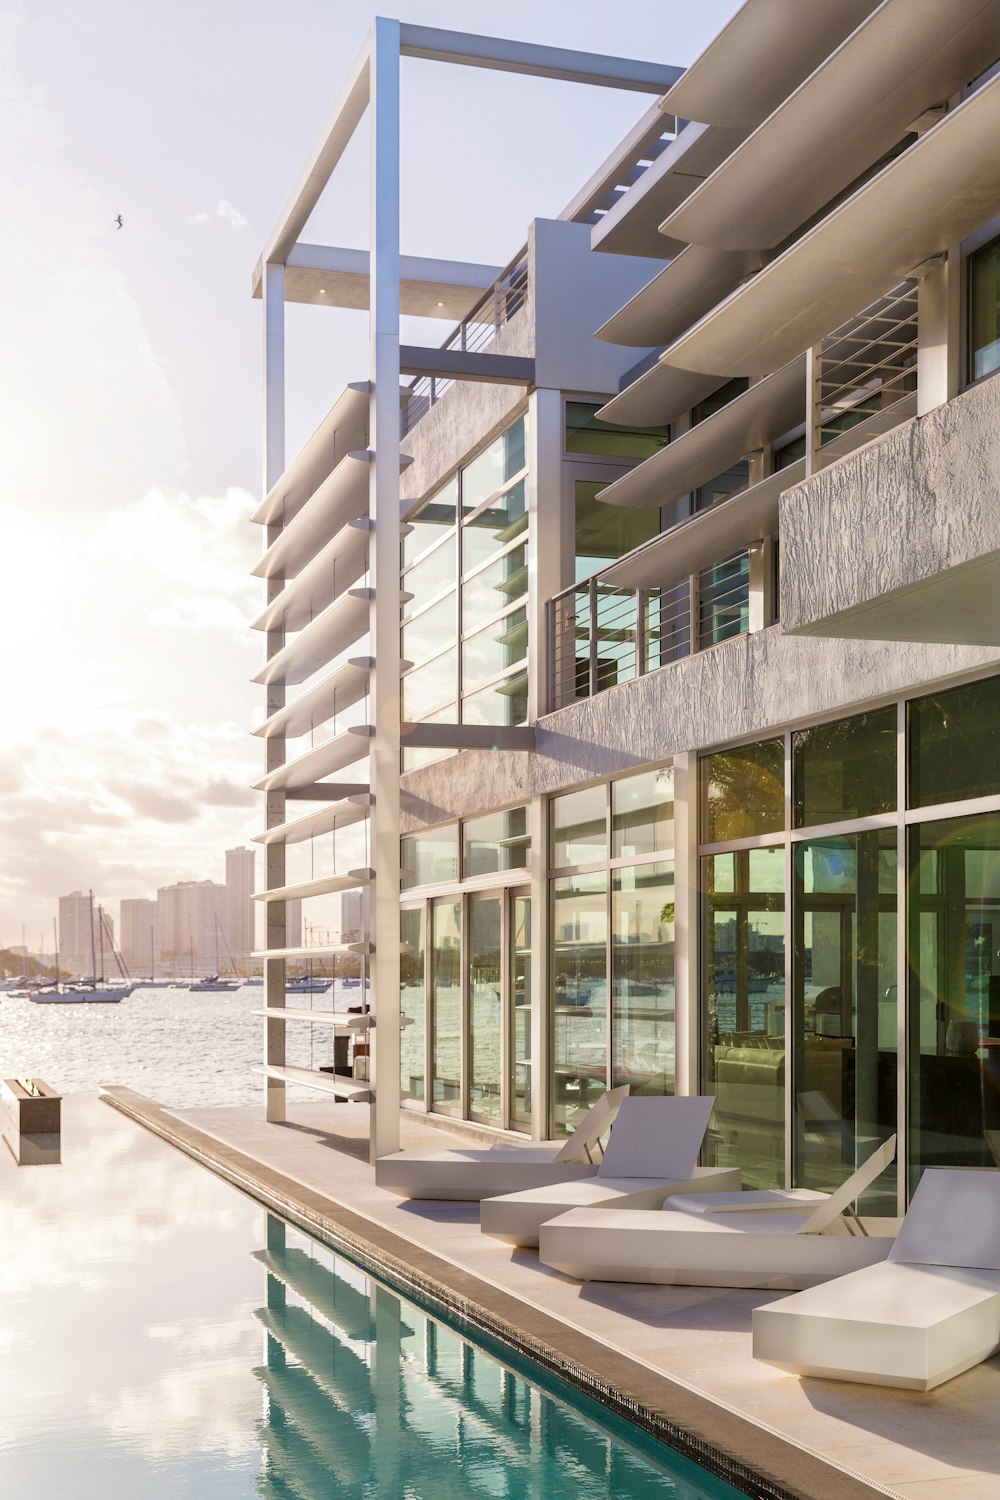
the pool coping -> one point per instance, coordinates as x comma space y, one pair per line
753, 1457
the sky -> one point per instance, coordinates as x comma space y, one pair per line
130, 371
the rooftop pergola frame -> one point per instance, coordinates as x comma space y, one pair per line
388, 284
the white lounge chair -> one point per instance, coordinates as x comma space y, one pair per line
651, 1152
928, 1312
468, 1175
734, 1245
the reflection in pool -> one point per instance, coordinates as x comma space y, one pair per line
163, 1337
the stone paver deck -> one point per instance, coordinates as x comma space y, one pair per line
683, 1353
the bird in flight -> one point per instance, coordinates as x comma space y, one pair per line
119, 222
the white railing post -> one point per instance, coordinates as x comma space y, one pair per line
935, 341
814, 415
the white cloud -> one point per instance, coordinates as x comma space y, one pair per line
231, 214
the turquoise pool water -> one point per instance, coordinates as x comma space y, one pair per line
162, 1336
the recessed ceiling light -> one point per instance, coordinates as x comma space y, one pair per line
440, 304
322, 291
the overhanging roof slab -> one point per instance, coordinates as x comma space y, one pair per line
328, 276
340, 690
659, 396
908, 56
768, 409
936, 193
763, 53
680, 294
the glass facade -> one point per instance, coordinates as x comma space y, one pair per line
984, 311
464, 634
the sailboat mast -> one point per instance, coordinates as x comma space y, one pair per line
100, 934
93, 953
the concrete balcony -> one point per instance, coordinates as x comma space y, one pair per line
901, 540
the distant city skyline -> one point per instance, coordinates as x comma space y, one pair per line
129, 373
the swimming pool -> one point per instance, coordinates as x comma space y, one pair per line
162, 1335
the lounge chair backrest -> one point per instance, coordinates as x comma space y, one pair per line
852, 1187
657, 1137
598, 1119
953, 1220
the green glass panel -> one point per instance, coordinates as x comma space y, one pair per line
585, 433
953, 942
984, 311
494, 467
743, 1015
497, 842
446, 1009
502, 644
428, 577
724, 600
642, 979
429, 858
642, 813
498, 523
729, 482
743, 792
579, 827
430, 686
485, 1007
431, 522
429, 632
412, 1002
845, 1009
954, 743
579, 996
607, 532
505, 703
498, 584
844, 770
718, 399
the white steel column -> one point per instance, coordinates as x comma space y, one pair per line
274, 854
937, 344
540, 969
686, 924
384, 501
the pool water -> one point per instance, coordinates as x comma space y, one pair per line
161, 1335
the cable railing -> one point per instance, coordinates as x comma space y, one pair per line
477, 330
866, 374
600, 635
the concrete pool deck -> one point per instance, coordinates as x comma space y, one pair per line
679, 1355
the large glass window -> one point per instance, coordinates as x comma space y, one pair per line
846, 769
520, 1010
431, 522
954, 744
984, 311
845, 1009
494, 587
491, 528
485, 1007
505, 703
491, 651
497, 842
642, 978
743, 792
430, 632
606, 532
411, 1002
429, 858
430, 686
500, 462
585, 433
743, 1011
953, 946
427, 578
724, 600
642, 813
579, 827
446, 1005
579, 996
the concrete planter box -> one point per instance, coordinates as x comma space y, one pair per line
35, 1110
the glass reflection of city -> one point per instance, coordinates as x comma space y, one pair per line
364, 1395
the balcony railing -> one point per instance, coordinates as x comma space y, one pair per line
600, 635
865, 375
477, 330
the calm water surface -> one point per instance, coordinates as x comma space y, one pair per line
163, 1337
184, 1050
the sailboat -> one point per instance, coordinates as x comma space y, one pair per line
215, 984
93, 991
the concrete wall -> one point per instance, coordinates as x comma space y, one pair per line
873, 538
749, 686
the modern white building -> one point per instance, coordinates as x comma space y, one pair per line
655, 608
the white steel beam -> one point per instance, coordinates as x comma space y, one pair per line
505, 56
326, 153
335, 276
384, 50
274, 750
